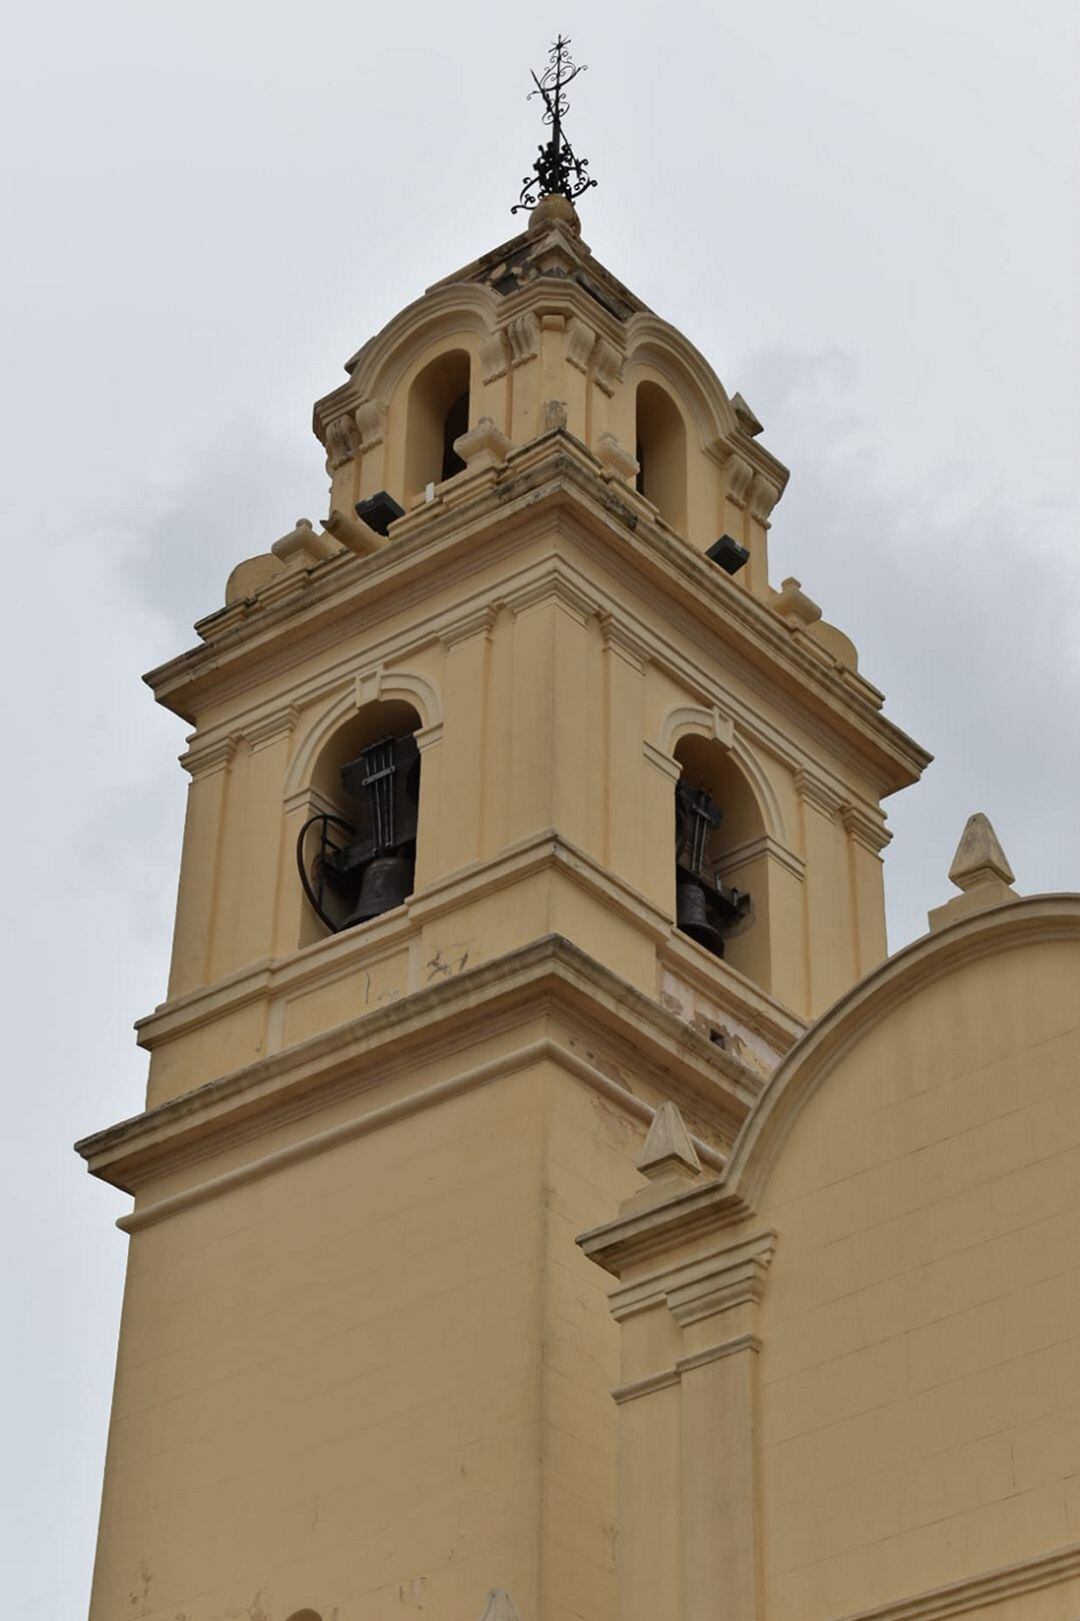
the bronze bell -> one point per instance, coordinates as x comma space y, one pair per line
387, 882
692, 917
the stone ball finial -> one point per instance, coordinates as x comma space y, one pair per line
555, 209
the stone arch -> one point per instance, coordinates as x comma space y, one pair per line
926, 962
367, 687
695, 720
462, 310
654, 344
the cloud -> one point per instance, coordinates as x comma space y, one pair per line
964, 603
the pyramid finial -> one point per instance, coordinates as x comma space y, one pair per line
979, 855
499, 1606
980, 869
668, 1148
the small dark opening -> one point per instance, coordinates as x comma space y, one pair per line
457, 423
639, 482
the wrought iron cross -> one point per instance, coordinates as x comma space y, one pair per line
557, 169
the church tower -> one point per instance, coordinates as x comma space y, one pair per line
521, 803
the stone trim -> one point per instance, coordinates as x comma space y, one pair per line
716, 1353
537, 1052
663, 762
865, 828
646, 1386
974, 1592
732, 1275
203, 759
550, 973
261, 733
765, 845
619, 638
480, 622
814, 790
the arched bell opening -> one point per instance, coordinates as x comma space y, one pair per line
718, 851
661, 453
437, 415
356, 853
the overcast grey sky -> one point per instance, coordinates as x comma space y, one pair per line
863, 213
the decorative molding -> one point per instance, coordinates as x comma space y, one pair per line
558, 588
606, 366
729, 1276
646, 1386
616, 461
716, 1353
523, 334
351, 692
203, 759
663, 762
696, 720
620, 639
814, 790
579, 343
764, 495
736, 1278
371, 417
740, 476
864, 827
281, 723
478, 623
763, 845
494, 358
342, 442
483, 446
975, 1592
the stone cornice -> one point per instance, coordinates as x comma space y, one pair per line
991, 1587
552, 475
635, 1239
551, 973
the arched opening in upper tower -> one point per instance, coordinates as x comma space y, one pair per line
357, 852
661, 453
719, 831
437, 414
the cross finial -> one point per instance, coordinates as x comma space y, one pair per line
557, 171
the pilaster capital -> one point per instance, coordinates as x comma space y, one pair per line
494, 361
864, 827
606, 366
267, 729
578, 344
814, 790
740, 476
523, 335
478, 623
764, 495
204, 758
733, 1276
370, 416
553, 587
621, 640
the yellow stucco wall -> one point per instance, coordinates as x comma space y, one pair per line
920, 1367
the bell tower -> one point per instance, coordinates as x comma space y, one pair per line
520, 803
